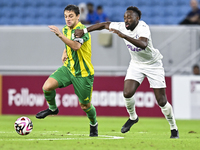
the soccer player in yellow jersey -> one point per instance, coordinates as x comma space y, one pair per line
77, 69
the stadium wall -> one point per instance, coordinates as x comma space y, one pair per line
23, 95
36, 50
186, 96
1, 95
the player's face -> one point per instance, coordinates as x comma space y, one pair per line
131, 19
71, 19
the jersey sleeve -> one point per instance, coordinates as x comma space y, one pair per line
144, 31
80, 40
114, 25
83, 39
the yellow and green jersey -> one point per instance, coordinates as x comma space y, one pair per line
79, 62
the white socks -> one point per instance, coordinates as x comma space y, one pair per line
169, 115
130, 106
166, 110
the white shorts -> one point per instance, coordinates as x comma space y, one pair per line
154, 73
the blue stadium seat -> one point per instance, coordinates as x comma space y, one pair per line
5, 21
146, 11
7, 12
132, 3
32, 11
183, 2
158, 20
28, 3
170, 20
3, 3
183, 10
29, 21
109, 11
41, 21
57, 21
107, 3
146, 19
158, 11
142, 3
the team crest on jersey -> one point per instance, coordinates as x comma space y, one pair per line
136, 37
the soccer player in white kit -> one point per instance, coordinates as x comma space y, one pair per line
145, 62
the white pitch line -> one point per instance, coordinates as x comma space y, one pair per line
107, 137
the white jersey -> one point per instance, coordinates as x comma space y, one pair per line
138, 55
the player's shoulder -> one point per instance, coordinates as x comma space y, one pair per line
65, 27
80, 26
143, 24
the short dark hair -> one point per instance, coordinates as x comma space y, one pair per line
196, 66
73, 8
136, 10
99, 7
90, 4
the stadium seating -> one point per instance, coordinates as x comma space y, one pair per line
36, 12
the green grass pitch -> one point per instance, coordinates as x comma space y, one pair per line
72, 133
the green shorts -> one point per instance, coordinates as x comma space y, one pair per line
83, 86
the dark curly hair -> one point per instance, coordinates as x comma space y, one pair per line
136, 10
73, 8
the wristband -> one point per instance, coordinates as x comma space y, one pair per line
85, 30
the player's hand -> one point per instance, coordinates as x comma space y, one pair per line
78, 33
55, 30
64, 58
118, 33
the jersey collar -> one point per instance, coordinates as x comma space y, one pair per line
78, 24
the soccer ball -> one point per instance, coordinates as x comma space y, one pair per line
23, 125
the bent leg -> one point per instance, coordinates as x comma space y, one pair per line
166, 107
130, 87
91, 114
49, 92
90, 111
83, 88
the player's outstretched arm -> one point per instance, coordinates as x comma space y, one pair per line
142, 42
73, 44
99, 26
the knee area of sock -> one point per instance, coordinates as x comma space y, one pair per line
167, 106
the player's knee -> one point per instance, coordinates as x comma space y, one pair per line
46, 87
84, 106
49, 86
162, 101
128, 94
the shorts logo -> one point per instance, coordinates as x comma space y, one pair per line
86, 99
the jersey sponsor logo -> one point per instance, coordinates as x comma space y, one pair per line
135, 49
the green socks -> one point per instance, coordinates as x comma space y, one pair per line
91, 113
50, 98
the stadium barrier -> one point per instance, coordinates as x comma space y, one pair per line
186, 96
23, 95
